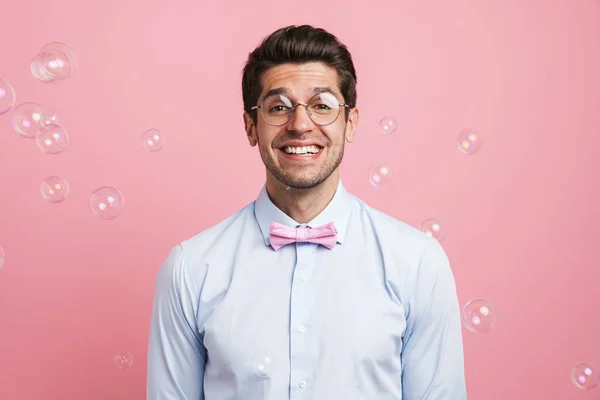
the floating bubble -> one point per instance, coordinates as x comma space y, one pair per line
123, 360
106, 202
7, 97
52, 139
153, 140
1, 256
433, 228
468, 142
264, 365
388, 125
54, 62
380, 176
54, 189
479, 315
28, 118
51, 118
585, 375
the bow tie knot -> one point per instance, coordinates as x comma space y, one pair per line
302, 234
280, 235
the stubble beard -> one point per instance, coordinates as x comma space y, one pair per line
294, 181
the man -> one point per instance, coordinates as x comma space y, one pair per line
307, 292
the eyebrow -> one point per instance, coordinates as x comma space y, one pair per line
282, 90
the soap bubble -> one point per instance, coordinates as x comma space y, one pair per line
264, 366
388, 125
468, 142
54, 62
479, 315
153, 140
28, 118
106, 202
54, 189
7, 97
585, 375
433, 227
52, 139
51, 118
123, 360
380, 175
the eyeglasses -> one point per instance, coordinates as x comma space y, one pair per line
323, 109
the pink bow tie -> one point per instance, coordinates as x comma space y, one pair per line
280, 235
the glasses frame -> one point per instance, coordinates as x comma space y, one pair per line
342, 105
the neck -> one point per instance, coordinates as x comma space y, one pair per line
302, 205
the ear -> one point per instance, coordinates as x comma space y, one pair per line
250, 127
351, 125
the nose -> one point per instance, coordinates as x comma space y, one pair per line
300, 120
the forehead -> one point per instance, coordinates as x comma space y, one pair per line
299, 80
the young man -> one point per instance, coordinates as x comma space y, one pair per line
307, 292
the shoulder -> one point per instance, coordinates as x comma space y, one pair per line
199, 244
188, 260
410, 254
392, 233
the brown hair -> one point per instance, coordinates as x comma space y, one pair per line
297, 45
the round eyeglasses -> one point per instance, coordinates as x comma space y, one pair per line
323, 109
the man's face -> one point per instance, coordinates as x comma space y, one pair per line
278, 145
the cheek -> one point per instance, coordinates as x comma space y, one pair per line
335, 135
266, 136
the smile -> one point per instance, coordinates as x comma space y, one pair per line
305, 151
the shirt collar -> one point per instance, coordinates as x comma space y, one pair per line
337, 211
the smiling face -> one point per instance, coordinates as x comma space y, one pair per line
288, 151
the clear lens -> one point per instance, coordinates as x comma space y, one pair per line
323, 109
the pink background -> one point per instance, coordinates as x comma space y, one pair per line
521, 215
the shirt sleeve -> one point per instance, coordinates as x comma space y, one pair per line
432, 352
176, 355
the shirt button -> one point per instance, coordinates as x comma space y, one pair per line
304, 278
301, 329
302, 383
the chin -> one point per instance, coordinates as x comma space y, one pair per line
300, 182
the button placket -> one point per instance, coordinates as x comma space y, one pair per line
300, 317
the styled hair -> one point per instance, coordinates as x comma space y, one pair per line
298, 45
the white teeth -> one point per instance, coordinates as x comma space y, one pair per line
302, 150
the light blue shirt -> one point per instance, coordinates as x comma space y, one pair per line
375, 318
